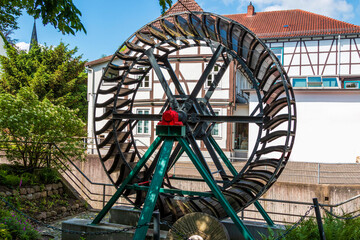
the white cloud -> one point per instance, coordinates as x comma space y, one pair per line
23, 46
338, 9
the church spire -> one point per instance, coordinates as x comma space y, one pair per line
33, 39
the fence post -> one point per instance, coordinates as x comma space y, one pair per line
104, 186
318, 219
156, 219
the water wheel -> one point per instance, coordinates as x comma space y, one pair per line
153, 47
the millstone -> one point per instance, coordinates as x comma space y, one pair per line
198, 226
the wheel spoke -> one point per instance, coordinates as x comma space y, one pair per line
220, 119
217, 79
198, 153
172, 100
174, 77
214, 157
203, 78
140, 117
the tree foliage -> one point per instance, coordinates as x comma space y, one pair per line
26, 123
165, 4
51, 73
62, 14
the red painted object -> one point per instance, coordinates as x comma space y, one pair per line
170, 117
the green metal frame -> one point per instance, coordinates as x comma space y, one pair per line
155, 186
233, 171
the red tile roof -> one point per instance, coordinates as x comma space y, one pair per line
189, 4
98, 61
292, 23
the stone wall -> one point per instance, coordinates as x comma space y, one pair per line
33, 193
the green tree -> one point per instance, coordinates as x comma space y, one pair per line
26, 123
165, 4
62, 14
52, 73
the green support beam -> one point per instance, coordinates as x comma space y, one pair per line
153, 193
263, 213
223, 156
132, 174
233, 171
216, 191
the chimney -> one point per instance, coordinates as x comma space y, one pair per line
250, 10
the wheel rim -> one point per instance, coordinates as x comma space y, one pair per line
275, 113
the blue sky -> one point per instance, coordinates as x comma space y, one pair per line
109, 23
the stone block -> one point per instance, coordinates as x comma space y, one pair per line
50, 193
2, 194
37, 195
37, 188
55, 192
15, 192
61, 190
63, 209
43, 194
42, 216
23, 191
30, 196
60, 185
31, 190
48, 187
55, 186
8, 193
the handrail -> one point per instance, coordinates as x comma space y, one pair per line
138, 140
68, 159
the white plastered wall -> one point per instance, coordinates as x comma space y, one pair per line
328, 129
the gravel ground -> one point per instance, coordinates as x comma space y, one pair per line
49, 233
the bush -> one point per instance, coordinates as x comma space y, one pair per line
48, 175
4, 233
27, 125
12, 180
334, 228
18, 227
15, 176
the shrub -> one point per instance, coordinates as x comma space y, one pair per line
18, 227
48, 175
4, 233
28, 124
12, 180
334, 228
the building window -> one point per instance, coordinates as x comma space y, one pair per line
352, 84
142, 126
145, 83
211, 76
216, 129
314, 82
279, 53
241, 136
